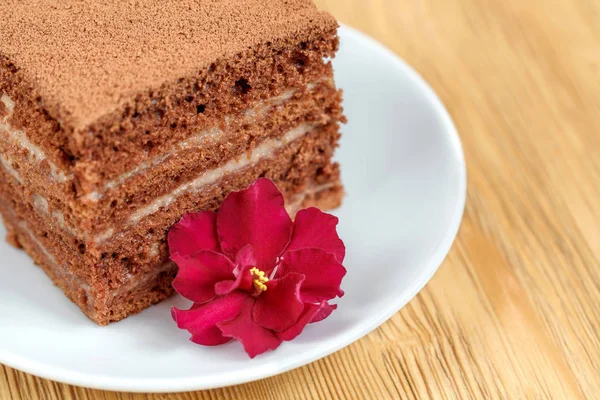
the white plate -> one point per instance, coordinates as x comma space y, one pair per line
404, 173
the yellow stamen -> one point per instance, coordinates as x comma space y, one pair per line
259, 279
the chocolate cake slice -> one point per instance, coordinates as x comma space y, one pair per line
118, 117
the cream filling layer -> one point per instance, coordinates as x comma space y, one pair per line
252, 157
25, 228
37, 155
11, 171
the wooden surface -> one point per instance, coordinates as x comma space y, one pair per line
514, 311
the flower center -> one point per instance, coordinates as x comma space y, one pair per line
259, 279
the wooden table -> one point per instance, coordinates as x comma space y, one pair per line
514, 311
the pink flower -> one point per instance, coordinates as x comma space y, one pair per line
252, 273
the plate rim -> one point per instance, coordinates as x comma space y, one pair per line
173, 385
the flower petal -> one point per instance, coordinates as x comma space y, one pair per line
246, 257
280, 305
311, 312
201, 320
324, 312
255, 216
198, 274
315, 229
244, 261
194, 232
323, 273
255, 339
242, 281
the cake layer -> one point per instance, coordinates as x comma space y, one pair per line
205, 152
159, 118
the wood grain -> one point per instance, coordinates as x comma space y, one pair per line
514, 310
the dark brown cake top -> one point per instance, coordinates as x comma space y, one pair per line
86, 57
